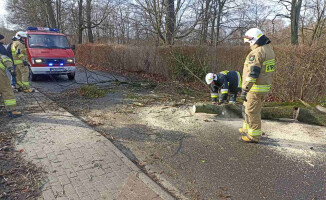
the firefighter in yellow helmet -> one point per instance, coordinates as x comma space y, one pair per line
19, 54
257, 76
5, 87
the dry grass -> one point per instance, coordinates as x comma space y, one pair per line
300, 74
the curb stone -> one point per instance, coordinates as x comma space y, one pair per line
155, 187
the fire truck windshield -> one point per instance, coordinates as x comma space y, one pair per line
48, 41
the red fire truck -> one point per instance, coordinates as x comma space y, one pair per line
49, 52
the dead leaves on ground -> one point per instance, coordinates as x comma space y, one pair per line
94, 123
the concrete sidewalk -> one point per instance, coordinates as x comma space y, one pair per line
79, 162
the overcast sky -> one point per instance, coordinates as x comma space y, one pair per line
2, 8
3, 11
3, 15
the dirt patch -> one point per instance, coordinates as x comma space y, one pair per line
19, 179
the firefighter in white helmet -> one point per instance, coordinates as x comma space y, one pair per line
19, 54
227, 83
257, 76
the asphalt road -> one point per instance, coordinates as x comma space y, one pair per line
246, 171
218, 165
59, 83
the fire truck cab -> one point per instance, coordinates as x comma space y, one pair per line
49, 52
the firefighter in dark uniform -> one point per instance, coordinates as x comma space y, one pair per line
227, 83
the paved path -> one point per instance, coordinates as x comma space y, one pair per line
79, 162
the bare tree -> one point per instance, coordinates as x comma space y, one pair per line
58, 5
295, 15
319, 9
206, 16
294, 7
170, 21
166, 25
50, 13
219, 6
88, 20
209, 22
80, 21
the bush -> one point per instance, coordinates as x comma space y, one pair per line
323, 102
300, 72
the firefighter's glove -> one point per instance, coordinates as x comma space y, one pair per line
243, 95
25, 63
11, 70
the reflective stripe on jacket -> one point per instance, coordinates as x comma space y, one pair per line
5, 62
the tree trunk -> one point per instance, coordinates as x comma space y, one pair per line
218, 24
80, 21
50, 13
320, 22
43, 15
170, 21
58, 8
214, 8
88, 21
295, 15
221, 4
205, 21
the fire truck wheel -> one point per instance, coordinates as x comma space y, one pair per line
71, 76
33, 77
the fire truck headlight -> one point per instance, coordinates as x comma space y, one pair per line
38, 61
70, 60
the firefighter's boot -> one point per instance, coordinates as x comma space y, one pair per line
249, 139
28, 90
15, 114
20, 89
243, 131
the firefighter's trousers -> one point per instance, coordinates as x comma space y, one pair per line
22, 74
7, 92
252, 113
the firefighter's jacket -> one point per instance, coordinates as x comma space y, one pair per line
19, 52
225, 82
5, 61
3, 50
259, 67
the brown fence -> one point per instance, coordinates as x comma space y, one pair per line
300, 74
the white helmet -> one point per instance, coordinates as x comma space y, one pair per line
252, 35
209, 78
21, 34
